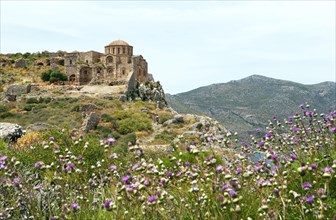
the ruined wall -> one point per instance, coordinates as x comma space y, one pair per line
90, 57
117, 66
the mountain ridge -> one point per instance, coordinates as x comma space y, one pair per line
242, 105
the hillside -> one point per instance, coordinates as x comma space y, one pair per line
246, 104
91, 152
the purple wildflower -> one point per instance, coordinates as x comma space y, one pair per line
135, 166
113, 167
125, 178
306, 185
107, 204
232, 193
309, 199
74, 206
146, 182
261, 144
16, 182
274, 156
152, 199
219, 168
276, 191
3, 158
224, 187
333, 129
327, 170
110, 140
38, 164
314, 166
169, 174
51, 138
293, 156
295, 130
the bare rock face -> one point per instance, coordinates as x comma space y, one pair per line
9, 131
91, 122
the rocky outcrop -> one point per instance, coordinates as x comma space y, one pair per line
151, 91
91, 122
177, 119
11, 132
18, 89
20, 63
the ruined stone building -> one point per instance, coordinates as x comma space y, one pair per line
117, 66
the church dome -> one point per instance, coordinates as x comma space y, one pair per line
118, 43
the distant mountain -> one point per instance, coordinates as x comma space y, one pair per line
243, 105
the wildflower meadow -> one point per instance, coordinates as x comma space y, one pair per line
287, 172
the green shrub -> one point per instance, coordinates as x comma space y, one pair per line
32, 101
107, 118
164, 117
166, 136
6, 115
106, 131
132, 121
53, 76
76, 108
28, 107
3, 108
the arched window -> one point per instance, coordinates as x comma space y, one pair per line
70, 62
118, 50
109, 59
124, 50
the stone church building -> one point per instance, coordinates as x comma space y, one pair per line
117, 66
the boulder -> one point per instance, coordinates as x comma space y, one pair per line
168, 122
20, 63
18, 89
9, 131
11, 98
91, 122
179, 118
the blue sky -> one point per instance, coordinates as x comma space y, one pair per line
186, 44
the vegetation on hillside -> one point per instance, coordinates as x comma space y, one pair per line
287, 175
242, 105
53, 76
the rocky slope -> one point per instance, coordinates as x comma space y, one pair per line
246, 104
